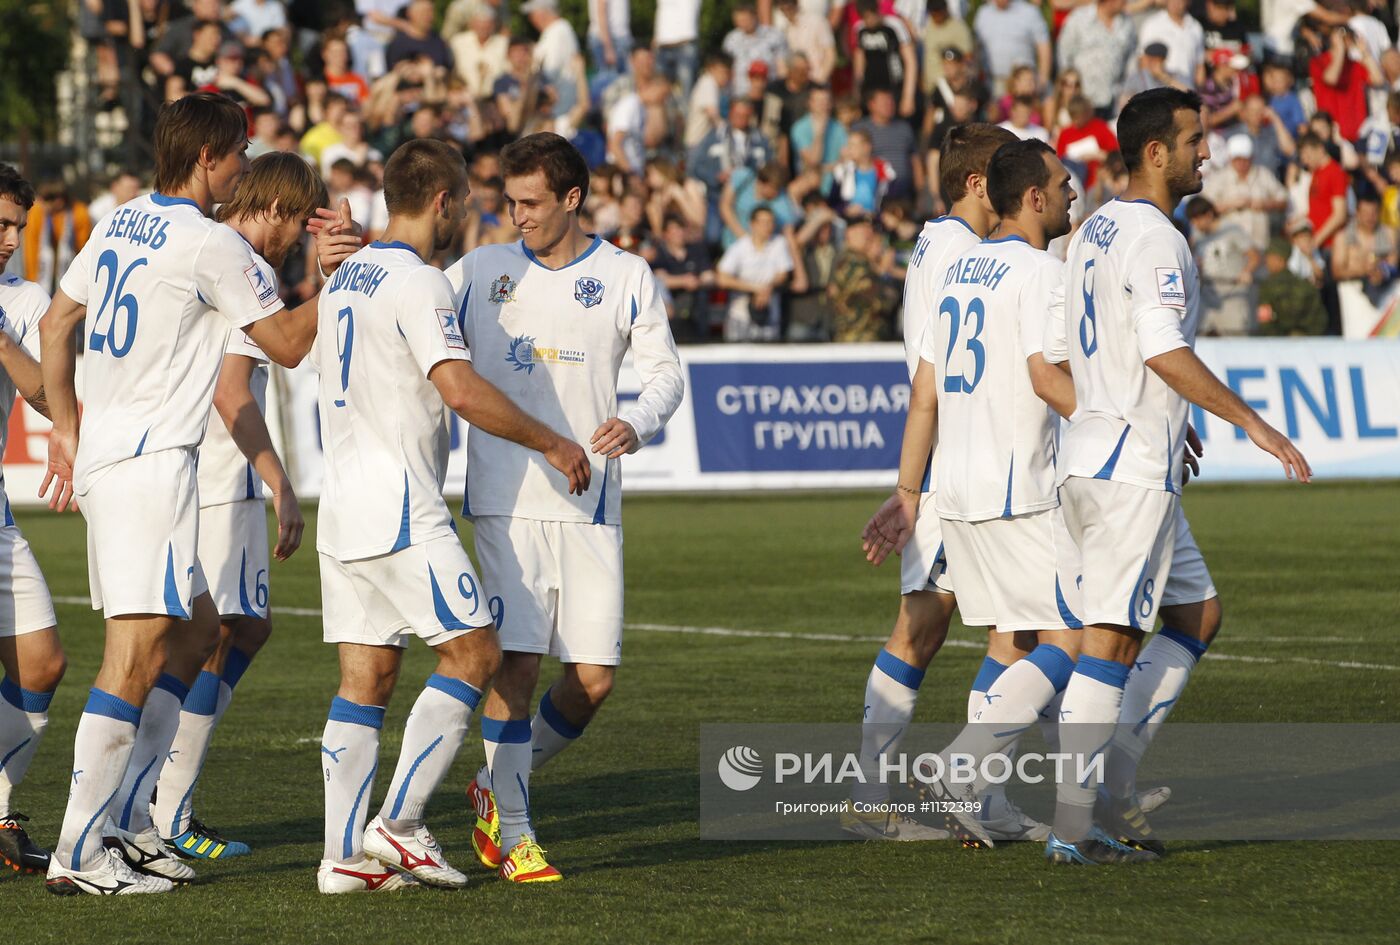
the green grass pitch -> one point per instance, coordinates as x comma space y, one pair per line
618, 812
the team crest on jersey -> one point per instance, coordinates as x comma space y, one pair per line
263, 287
588, 291
1171, 287
503, 290
521, 355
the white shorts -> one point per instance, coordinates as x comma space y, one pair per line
143, 536
233, 552
559, 586
25, 604
429, 590
922, 564
1189, 580
1015, 573
1126, 536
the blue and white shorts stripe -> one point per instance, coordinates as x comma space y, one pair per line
233, 551
923, 564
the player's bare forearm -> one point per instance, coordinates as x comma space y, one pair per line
1186, 374
58, 360
920, 427
24, 371
287, 336
1052, 384
233, 398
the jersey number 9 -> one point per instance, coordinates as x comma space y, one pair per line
344, 346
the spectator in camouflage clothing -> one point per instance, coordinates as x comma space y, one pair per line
858, 305
1288, 305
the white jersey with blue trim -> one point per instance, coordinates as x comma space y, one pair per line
1132, 292
385, 320
940, 242
225, 475
553, 340
152, 275
22, 304
998, 437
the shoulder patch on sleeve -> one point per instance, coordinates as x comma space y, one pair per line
264, 286
1171, 287
451, 331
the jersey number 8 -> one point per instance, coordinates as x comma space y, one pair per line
1088, 324
124, 302
959, 383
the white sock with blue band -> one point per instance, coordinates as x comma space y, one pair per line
24, 714
891, 692
349, 760
431, 737
1089, 713
101, 754
550, 732
173, 804
160, 719
507, 746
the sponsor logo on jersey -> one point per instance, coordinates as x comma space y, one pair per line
1171, 287
263, 287
588, 291
524, 354
4, 321
503, 290
451, 331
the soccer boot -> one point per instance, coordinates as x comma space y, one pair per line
1152, 798
147, 853
958, 808
418, 853
868, 825
364, 875
526, 864
1094, 850
1124, 822
486, 834
112, 877
1005, 822
17, 851
202, 842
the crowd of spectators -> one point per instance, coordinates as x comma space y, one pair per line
777, 179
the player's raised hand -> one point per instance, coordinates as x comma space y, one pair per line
290, 524
63, 449
570, 459
1194, 451
614, 437
890, 528
338, 236
1281, 448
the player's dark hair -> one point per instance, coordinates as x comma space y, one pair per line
1151, 116
418, 171
15, 188
283, 178
561, 163
185, 127
1014, 169
967, 149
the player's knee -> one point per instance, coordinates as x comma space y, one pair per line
922, 625
44, 674
593, 684
251, 633
1212, 613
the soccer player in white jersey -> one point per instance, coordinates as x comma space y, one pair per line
926, 603
1132, 296
979, 390
161, 285
269, 210
29, 647
549, 319
392, 361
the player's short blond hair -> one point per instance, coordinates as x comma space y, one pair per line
279, 177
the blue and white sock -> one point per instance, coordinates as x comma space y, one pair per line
1012, 705
507, 746
891, 692
1158, 677
349, 759
550, 732
431, 737
160, 719
1092, 702
24, 714
1050, 721
101, 754
988, 674
173, 805
235, 665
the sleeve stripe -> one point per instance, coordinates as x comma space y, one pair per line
634, 310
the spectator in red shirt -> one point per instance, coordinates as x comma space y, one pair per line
1087, 140
1327, 194
340, 78
1340, 82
